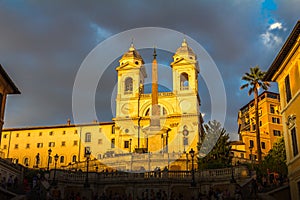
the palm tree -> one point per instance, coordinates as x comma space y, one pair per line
255, 81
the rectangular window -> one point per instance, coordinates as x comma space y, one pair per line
64, 132
260, 123
17, 135
100, 130
263, 145
242, 155
251, 143
273, 96
88, 137
272, 109
51, 144
253, 127
16, 146
75, 132
288, 93
276, 133
99, 141
39, 145
5, 136
5, 146
40, 134
126, 144
275, 120
75, 143
112, 145
28, 134
294, 141
51, 133
86, 149
63, 143
113, 129
27, 146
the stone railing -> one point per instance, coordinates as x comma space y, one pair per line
204, 175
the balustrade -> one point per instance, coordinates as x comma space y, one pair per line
211, 174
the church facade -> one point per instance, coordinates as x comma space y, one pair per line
160, 127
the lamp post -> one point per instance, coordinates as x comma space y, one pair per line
192, 153
139, 118
55, 162
49, 153
251, 157
167, 142
187, 160
130, 140
86, 183
37, 159
232, 170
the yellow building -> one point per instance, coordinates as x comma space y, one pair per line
270, 125
285, 70
163, 124
67, 140
238, 152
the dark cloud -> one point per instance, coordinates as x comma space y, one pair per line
42, 45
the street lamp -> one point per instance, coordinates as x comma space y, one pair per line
167, 137
55, 162
139, 118
49, 153
37, 158
130, 140
187, 160
232, 170
251, 156
192, 153
87, 155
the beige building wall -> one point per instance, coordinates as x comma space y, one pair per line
285, 70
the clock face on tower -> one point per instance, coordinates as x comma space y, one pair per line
126, 108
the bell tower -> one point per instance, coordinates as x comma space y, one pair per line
185, 71
131, 76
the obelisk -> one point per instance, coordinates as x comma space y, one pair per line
154, 120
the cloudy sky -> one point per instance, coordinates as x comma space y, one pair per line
43, 44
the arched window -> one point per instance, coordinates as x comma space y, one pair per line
62, 159
74, 158
128, 85
184, 81
26, 161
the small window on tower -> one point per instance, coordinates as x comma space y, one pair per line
128, 85
184, 81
